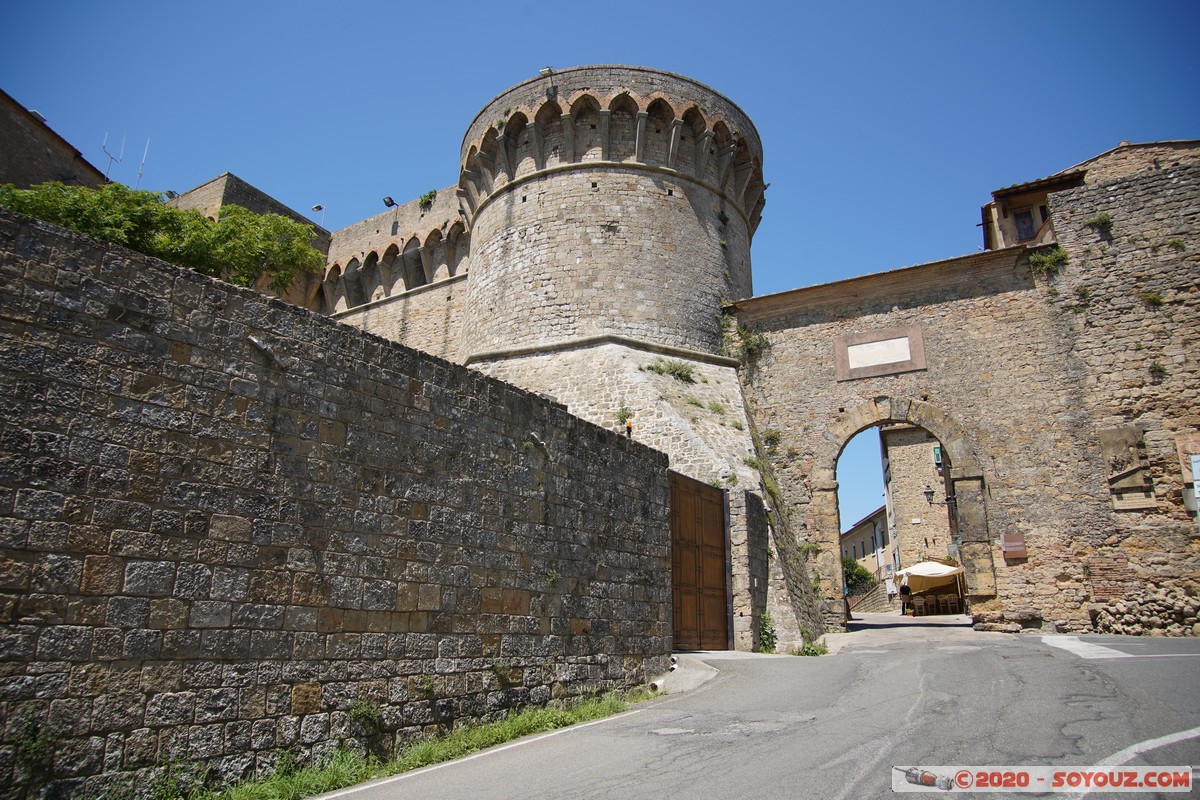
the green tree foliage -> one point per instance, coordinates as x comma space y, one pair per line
858, 578
239, 247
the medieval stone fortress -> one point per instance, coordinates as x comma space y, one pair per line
528, 433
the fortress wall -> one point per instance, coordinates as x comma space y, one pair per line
227, 519
614, 200
428, 318
396, 226
702, 425
594, 252
1132, 161
1039, 370
1136, 294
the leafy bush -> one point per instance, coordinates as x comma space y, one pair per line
239, 247
858, 578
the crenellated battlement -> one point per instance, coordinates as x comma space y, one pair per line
626, 117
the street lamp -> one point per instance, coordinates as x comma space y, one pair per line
321, 208
928, 492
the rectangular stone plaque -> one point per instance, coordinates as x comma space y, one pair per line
872, 354
887, 351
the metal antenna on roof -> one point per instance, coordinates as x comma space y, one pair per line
143, 164
111, 157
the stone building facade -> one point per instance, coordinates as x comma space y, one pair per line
1059, 380
32, 153
920, 527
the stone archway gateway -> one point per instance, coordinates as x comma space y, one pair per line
966, 482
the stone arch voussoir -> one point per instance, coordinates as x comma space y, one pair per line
966, 476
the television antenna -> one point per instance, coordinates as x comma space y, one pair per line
111, 157
143, 164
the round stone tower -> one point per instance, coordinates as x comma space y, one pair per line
610, 211
607, 203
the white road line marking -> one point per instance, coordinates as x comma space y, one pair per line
492, 751
1124, 756
1089, 650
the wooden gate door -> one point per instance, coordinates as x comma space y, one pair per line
699, 567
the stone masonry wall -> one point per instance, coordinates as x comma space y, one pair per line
1134, 300
701, 425
1039, 371
922, 530
227, 519
704, 427
427, 318
31, 153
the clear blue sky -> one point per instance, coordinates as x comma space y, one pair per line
885, 125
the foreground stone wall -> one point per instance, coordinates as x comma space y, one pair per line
1071, 394
227, 520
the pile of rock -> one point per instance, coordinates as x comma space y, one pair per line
1151, 611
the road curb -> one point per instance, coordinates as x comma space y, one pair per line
687, 673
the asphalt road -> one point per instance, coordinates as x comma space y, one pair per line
895, 694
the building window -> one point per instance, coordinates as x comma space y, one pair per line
1023, 219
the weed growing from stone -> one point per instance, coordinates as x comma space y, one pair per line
365, 715
1177, 245
347, 768
35, 749
766, 633
1152, 299
810, 649
684, 373
716, 408
1157, 371
1101, 223
1047, 262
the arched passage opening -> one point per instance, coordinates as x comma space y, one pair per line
961, 494
894, 515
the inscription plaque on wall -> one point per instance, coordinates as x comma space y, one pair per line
1128, 468
886, 351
